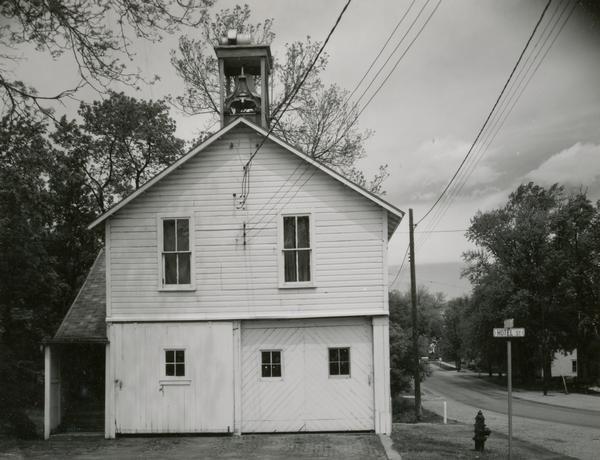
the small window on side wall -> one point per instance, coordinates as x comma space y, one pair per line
270, 363
339, 361
176, 252
175, 363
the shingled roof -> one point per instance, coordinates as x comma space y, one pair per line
86, 319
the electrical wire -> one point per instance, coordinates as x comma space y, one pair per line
350, 124
285, 105
518, 88
401, 267
489, 115
382, 49
372, 97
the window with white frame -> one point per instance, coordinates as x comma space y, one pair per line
176, 252
296, 249
270, 363
339, 361
175, 363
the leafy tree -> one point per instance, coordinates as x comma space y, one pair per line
429, 321
320, 121
120, 144
29, 285
452, 346
97, 35
535, 264
576, 228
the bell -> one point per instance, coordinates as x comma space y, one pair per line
242, 99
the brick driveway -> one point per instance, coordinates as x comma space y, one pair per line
267, 447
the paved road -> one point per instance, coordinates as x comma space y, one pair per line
468, 389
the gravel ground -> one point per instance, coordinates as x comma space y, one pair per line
578, 442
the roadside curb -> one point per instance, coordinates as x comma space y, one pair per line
387, 443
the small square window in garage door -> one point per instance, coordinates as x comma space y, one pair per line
270, 363
339, 361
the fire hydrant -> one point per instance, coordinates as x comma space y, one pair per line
481, 432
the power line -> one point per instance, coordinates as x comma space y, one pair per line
500, 119
401, 266
400, 58
517, 89
351, 123
489, 115
383, 48
363, 108
440, 231
392, 53
286, 104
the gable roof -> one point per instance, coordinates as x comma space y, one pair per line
394, 214
86, 319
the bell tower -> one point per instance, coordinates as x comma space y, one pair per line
244, 71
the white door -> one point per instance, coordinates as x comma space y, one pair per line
187, 391
307, 397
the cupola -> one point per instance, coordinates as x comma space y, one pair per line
244, 70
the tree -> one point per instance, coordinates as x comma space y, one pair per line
320, 121
576, 227
96, 34
401, 349
452, 346
29, 285
530, 267
120, 144
52, 185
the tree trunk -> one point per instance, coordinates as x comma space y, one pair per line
546, 371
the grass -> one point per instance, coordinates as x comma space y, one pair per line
432, 441
403, 412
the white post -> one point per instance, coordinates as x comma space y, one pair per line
47, 391
237, 377
509, 372
109, 384
445, 413
381, 373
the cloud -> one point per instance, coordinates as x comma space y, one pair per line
576, 166
427, 170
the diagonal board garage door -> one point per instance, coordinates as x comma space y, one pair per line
306, 397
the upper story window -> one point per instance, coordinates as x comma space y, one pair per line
297, 249
176, 253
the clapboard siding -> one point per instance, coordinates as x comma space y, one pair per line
230, 278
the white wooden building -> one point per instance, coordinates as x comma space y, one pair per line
270, 316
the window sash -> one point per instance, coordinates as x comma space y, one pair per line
339, 365
175, 363
270, 364
176, 237
297, 268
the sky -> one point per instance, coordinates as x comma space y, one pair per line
427, 115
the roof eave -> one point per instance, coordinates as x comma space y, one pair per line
367, 194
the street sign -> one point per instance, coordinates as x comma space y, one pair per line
509, 332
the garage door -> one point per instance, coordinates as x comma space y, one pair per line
173, 377
312, 375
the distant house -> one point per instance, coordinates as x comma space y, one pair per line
564, 364
208, 313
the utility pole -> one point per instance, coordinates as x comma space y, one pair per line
415, 333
